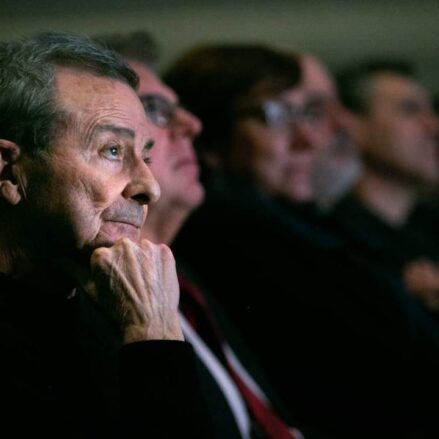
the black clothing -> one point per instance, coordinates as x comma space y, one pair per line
343, 344
390, 246
212, 326
65, 374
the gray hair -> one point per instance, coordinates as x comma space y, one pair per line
29, 114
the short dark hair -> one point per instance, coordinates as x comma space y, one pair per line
29, 114
211, 80
354, 83
137, 46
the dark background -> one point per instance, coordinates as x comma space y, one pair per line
339, 31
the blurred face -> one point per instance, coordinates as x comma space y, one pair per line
399, 130
93, 185
174, 163
337, 163
317, 86
283, 159
273, 144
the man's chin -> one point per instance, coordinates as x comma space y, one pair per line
105, 239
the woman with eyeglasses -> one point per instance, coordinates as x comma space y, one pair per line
329, 330
254, 117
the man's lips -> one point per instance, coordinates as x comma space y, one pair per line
111, 231
129, 213
135, 224
123, 219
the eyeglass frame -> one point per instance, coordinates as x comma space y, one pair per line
150, 101
287, 114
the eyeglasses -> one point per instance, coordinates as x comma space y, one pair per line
280, 114
159, 109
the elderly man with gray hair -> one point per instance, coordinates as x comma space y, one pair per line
91, 340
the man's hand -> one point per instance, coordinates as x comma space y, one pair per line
421, 278
136, 284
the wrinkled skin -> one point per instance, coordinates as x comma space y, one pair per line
138, 287
89, 194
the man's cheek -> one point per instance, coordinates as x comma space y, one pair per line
100, 192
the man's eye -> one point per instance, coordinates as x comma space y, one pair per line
112, 152
410, 108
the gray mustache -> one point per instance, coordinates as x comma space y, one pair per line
125, 213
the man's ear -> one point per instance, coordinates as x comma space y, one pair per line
9, 188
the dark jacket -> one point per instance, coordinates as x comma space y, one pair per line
65, 374
342, 342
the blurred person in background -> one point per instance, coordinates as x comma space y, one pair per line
423, 277
396, 129
337, 165
349, 341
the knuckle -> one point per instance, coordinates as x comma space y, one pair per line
166, 253
101, 256
146, 245
124, 242
165, 249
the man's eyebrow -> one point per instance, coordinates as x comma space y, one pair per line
121, 131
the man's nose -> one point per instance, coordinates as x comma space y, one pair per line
143, 187
186, 123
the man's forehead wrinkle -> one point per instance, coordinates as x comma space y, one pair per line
87, 113
78, 90
100, 101
87, 92
106, 119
